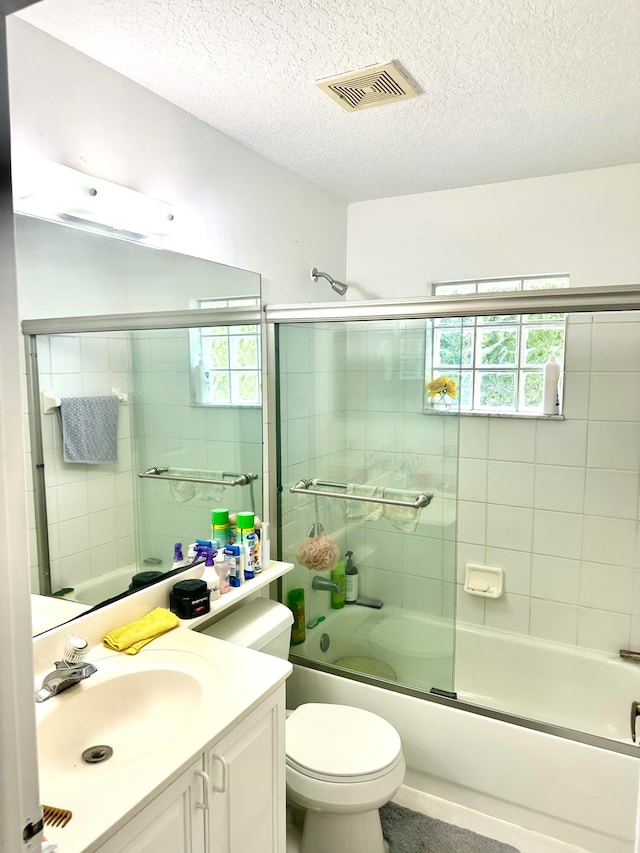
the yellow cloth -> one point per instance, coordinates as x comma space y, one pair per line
132, 637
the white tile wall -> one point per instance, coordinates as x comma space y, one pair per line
365, 425
553, 503
170, 431
84, 501
579, 482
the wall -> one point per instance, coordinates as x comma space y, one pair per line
555, 504
584, 223
90, 508
259, 216
171, 432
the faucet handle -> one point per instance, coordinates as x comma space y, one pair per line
75, 650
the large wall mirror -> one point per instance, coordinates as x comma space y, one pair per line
188, 418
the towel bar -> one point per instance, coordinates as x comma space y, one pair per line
305, 486
161, 474
51, 402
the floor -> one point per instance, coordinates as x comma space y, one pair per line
524, 840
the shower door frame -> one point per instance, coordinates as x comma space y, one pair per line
571, 300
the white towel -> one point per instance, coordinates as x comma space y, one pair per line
364, 510
403, 518
183, 491
89, 428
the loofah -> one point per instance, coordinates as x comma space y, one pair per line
318, 553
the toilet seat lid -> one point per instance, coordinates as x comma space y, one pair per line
338, 741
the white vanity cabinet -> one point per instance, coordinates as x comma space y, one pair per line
246, 769
236, 805
171, 823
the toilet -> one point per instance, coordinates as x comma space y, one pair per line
342, 764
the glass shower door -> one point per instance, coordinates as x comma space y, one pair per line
374, 468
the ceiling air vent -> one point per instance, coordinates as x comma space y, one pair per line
368, 87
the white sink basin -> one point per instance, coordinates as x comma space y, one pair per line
134, 705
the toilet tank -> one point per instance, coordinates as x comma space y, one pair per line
261, 624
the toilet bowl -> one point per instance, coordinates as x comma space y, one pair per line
342, 763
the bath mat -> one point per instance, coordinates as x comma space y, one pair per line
411, 832
368, 666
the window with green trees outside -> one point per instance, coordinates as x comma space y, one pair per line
497, 362
231, 358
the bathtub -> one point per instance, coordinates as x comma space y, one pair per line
578, 792
95, 590
550, 682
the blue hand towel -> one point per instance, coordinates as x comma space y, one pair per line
90, 429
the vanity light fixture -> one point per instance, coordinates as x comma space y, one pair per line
56, 192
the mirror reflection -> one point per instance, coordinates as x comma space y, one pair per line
181, 406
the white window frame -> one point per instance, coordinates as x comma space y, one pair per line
198, 347
474, 325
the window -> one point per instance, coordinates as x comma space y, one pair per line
227, 359
497, 362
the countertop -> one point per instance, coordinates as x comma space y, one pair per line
238, 680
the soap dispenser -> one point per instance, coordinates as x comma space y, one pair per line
351, 580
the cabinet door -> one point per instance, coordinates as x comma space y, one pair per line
171, 823
247, 772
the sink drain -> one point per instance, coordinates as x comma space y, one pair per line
97, 754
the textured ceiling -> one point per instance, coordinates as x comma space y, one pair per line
510, 88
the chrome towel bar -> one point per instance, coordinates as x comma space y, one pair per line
161, 474
309, 487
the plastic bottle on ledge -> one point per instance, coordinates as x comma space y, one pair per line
233, 555
247, 538
222, 570
550, 391
201, 383
178, 557
220, 528
338, 577
210, 576
295, 601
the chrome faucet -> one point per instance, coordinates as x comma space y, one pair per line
319, 582
69, 671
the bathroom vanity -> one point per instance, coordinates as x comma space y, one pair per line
197, 730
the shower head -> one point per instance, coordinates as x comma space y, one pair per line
338, 286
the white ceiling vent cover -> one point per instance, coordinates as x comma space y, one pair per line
368, 87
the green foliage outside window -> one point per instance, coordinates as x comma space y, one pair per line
497, 361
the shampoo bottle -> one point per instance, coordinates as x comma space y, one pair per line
338, 577
295, 601
550, 398
351, 580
